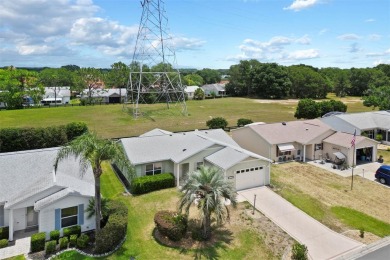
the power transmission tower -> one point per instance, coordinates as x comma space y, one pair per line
154, 77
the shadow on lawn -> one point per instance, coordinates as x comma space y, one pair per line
223, 237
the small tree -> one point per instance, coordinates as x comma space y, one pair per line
299, 252
307, 108
199, 94
244, 121
217, 122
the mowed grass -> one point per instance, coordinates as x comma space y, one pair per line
18, 257
114, 121
319, 192
236, 242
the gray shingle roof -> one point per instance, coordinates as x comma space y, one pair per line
227, 157
156, 131
107, 92
27, 173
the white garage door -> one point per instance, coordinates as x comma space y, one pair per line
250, 178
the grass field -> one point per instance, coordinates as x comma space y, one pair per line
112, 120
327, 197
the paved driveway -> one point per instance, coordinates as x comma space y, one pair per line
322, 243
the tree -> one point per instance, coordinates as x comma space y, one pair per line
307, 108
244, 122
378, 97
209, 76
199, 94
91, 150
118, 76
192, 80
211, 193
88, 79
240, 78
330, 106
217, 122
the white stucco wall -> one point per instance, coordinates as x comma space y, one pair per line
47, 214
251, 141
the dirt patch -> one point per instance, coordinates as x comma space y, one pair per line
367, 239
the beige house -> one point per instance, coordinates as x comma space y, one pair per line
339, 145
295, 140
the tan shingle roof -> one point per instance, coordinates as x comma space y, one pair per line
344, 139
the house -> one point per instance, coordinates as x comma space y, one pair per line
33, 196
340, 145
160, 151
294, 140
190, 90
56, 95
369, 124
217, 89
108, 95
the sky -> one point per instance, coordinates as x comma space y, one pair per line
206, 33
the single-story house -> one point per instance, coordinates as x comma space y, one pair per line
369, 124
190, 90
160, 151
294, 140
59, 95
33, 196
217, 89
107, 95
340, 145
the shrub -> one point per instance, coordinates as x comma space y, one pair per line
378, 137
73, 230
147, 184
114, 231
171, 224
63, 243
73, 240
244, 121
4, 232
3, 243
38, 242
51, 247
361, 232
217, 122
299, 252
55, 235
75, 129
82, 241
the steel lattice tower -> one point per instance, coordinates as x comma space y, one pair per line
154, 77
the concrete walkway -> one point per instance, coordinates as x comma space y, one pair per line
322, 242
21, 247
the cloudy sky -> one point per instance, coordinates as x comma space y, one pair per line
207, 33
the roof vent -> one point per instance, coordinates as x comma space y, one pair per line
283, 123
307, 129
184, 149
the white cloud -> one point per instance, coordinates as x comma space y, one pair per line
304, 40
323, 31
371, 20
378, 54
303, 54
183, 43
298, 5
348, 36
374, 37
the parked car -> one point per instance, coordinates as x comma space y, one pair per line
383, 174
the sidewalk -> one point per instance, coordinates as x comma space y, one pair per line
322, 242
21, 247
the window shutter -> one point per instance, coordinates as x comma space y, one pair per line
80, 220
57, 219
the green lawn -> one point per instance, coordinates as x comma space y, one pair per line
113, 121
18, 257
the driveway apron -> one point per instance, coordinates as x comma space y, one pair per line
322, 242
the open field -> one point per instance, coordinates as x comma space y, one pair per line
321, 194
112, 121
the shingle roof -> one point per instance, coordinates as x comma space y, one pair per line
190, 89
156, 131
344, 139
363, 121
105, 92
294, 131
227, 157
27, 173
214, 87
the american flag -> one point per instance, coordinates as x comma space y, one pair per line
353, 139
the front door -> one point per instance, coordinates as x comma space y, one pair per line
32, 217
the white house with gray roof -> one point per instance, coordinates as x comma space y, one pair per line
160, 151
369, 124
106, 95
35, 197
218, 89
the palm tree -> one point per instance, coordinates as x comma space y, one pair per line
211, 193
92, 151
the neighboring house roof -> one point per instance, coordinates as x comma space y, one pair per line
156, 131
213, 87
190, 89
227, 157
362, 121
344, 139
176, 146
28, 173
61, 92
294, 131
107, 92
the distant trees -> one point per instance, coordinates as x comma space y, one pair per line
308, 108
193, 80
209, 76
378, 97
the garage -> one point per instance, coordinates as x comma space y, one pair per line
364, 155
114, 99
250, 178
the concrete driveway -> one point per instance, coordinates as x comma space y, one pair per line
322, 242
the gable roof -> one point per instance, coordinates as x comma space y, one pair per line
294, 131
362, 121
28, 173
190, 89
156, 131
214, 87
106, 92
227, 157
176, 146
344, 139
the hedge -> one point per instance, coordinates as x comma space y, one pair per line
4, 233
244, 121
82, 241
55, 235
73, 230
3, 243
73, 240
63, 242
171, 224
19, 139
38, 242
51, 247
114, 231
217, 122
147, 184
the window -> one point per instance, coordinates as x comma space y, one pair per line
242, 171
152, 169
69, 216
284, 153
252, 169
237, 172
198, 165
317, 147
257, 168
